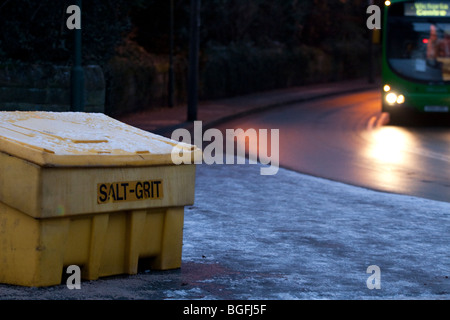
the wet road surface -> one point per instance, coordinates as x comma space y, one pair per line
346, 138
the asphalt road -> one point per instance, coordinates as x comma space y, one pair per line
346, 138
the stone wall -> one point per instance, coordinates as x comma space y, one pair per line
47, 88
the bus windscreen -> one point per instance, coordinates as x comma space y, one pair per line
418, 41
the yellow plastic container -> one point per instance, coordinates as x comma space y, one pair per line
84, 189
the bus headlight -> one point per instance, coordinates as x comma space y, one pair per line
391, 98
400, 99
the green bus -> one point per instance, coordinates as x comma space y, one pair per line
416, 57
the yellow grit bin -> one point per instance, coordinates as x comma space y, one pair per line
85, 189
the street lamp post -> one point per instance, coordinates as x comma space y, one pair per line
171, 75
77, 73
193, 60
370, 49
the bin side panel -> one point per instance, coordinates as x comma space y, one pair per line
78, 242
31, 251
113, 256
19, 184
19, 241
52, 245
136, 229
97, 237
150, 244
35, 252
169, 256
75, 191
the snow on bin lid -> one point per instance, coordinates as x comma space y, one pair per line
82, 139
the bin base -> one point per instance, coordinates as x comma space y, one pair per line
35, 252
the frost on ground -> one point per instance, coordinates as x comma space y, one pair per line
289, 236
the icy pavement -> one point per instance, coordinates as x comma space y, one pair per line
289, 236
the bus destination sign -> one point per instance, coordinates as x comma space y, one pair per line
427, 9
